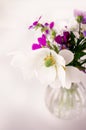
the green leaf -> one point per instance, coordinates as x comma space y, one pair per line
78, 55
48, 43
53, 33
55, 48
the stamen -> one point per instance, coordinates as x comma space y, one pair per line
49, 61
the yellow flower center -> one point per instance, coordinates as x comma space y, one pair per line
49, 61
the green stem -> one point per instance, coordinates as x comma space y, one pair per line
79, 28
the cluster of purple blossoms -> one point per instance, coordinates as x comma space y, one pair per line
48, 29
45, 29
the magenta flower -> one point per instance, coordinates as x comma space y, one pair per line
34, 23
36, 46
80, 16
41, 43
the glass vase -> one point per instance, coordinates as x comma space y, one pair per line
66, 103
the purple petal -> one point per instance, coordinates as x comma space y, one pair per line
84, 33
39, 18
84, 20
58, 39
66, 36
47, 31
42, 41
44, 36
30, 27
36, 46
84, 13
51, 25
46, 24
78, 13
66, 33
35, 23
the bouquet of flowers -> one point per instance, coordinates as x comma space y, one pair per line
58, 57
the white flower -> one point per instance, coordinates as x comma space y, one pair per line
48, 66
73, 75
45, 63
23, 61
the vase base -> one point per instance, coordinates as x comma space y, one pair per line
66, 103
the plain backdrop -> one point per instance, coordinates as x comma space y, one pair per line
22, 104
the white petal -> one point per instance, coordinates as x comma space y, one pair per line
41, 52
68, 81
83, 78
24, 62
68, 55
73, 75
46, 75
56, 84
19, 59
59, 59
61, 75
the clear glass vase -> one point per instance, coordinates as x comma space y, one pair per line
66, 103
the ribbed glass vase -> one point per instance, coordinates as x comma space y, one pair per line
66, 103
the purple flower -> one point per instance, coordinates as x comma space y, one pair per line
34, 23
41, 43
62, 39
84, 20
80, 16
59, 39
84, 33
66, 36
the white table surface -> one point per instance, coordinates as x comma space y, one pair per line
22, 104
